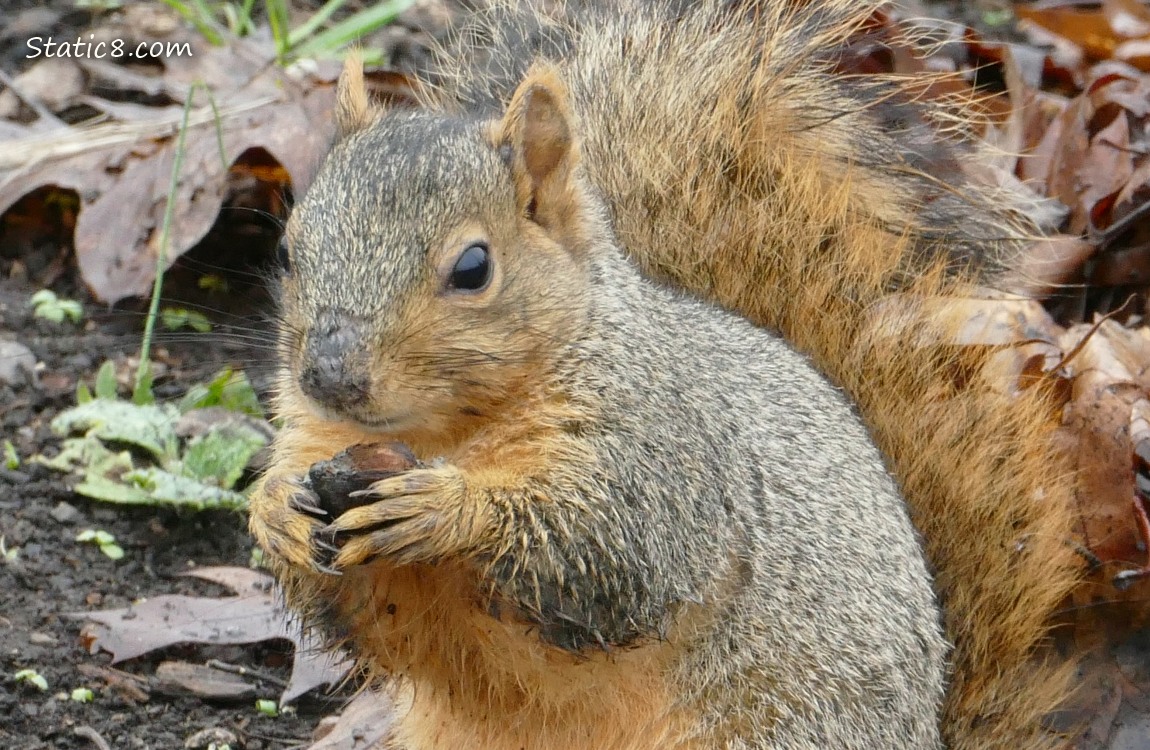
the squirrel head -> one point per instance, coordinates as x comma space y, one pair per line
437, 264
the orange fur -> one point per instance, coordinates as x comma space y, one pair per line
425, 628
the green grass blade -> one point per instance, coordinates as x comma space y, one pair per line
311, 26
278, 19
200, 17
143, 373
352, 28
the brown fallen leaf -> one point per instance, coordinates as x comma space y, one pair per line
1110, 709
1104, 426
131, 688
184, 678
1128, 18
251, 617
362, 725
1097, 377
1089, 30
121, 170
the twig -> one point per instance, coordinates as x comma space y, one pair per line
245, 672
91, 734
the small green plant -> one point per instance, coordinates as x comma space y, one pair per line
996, 18
105, 385
229, 389
308, 41
267, 707
214, 19
45, 304
100, 5
130, 453
11, 457
102, 539
176, 318
31, 677
83, 695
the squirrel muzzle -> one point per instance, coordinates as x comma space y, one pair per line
335, 371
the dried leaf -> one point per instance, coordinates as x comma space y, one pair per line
1109, 710
184, 678
251, 617
1107, 398
1127, 18
121, 171
364, 722
1090, 30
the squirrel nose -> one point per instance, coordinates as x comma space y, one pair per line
335, 371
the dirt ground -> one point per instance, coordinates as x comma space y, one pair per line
53, 575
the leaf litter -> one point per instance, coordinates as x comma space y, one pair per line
1072, 120
254, 615
251, 616
120, 167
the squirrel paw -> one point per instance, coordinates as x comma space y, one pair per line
288, 523
416, 518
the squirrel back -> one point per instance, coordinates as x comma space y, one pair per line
739, 165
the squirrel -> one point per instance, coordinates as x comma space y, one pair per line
637, 518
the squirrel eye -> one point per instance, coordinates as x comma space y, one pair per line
472, 271
283, 258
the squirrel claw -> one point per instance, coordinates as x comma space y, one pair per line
413, 520
325, 551
288, 523
326, 569
323, 544
301, 503
407, 543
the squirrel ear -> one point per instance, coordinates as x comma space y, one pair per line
536, 134
352, 110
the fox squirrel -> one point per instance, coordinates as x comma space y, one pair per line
631, 519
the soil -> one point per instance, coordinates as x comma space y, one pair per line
52, 575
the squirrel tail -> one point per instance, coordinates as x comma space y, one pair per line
740, 165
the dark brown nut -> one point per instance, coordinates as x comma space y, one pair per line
356, 469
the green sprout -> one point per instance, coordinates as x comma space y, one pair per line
83, 695
102, 539
45, 304
32, 677
318, 36
175, 318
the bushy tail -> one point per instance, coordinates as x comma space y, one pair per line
739, 165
